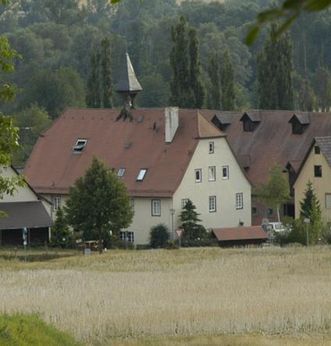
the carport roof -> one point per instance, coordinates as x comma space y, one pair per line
24, 214
240, 233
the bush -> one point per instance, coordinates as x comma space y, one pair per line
159, 236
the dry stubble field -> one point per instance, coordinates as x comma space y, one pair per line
197, 293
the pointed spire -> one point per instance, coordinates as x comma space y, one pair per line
128, 82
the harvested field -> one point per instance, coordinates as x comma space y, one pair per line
166, 293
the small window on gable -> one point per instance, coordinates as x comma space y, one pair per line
225, 172
141, 174
318, 171
211, 147
212, 204
80, 145
121, 172
317, 149
156, 207
184, 201
198, 175
239, 200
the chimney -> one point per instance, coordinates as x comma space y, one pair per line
171, 123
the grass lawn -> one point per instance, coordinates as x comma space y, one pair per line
201, 296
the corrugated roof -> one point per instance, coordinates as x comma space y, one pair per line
53, 166
272, 142
240, 233
324, 144
128, 80
24, 214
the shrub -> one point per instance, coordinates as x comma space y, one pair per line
159, 236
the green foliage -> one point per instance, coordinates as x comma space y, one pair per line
98, 203
214, 101
310, 209
189, 223
227, 83
274, 73
159, 236
322, 82
276, 191
61, 234
26, 330
287, 12
186, 87
31, 122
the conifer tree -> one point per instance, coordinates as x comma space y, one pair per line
227, 83
214, 77
93, 96
274, 73
106, 73
61, 235
310, 209
186, 86
189, 222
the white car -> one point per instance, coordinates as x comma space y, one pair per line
276, 227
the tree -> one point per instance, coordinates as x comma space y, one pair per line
310, 209
99, 88
159, 236
98, 203
287, 12
186, 86
189, 222
61, 234
227, 83
322, 81
276, 191
274, 73
214, 77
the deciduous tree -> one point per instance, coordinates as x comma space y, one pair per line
98, 203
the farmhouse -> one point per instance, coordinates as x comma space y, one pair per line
316, 168
23, 209
261, 139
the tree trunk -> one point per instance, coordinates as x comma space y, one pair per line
100, 241
278, 215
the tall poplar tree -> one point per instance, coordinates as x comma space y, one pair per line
93, 96
105, 62
227, 83
214, 77
186, 86
274, 72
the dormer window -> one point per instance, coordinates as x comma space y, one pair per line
299, 123
80, 145
121, 172
141, 174
250, 122
221, 121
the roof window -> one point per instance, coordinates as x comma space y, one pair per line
250, 121
80, 145
141, 174
121, 172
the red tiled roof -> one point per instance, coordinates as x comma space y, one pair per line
240, 233
53, 166
272, 142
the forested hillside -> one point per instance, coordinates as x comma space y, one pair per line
57, 40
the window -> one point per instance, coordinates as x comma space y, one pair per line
239, 200
317, 149
156, 207
141, 174
56, 200
80, 145
198, 175
127, 236
270, 211
254, 210
211, 173
184, 201
121, 172
318, 171
211, 147
328, 200
225, 172
212, 204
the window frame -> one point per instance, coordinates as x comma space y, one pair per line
317, 150
327, 194
227, 173
141, 175
78, 148
127, 236
211, 147
56, 201
156, 211
239, 200
121, 172
212, 204
210, 169
198, 170
183, 202
318, 173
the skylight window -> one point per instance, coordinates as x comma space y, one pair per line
121, 172
80, 145
141, 174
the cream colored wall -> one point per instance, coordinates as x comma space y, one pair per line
22, 194
143, 219
224, 190
321, 185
